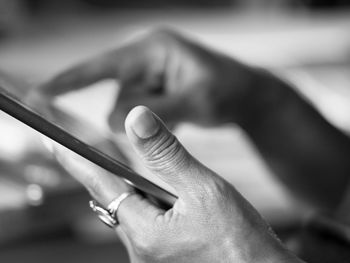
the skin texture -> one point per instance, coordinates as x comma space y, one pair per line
166, 72
210, 221
182, 81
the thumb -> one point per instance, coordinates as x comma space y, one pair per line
163, 154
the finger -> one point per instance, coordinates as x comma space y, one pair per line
102, 185
135, 214
138, 215
171, 109
140, 61
80, 76
163, 154
127, 64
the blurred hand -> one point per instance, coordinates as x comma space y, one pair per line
175, 77
209, 222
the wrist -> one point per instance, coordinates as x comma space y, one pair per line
267, 96
248, 95
261, 248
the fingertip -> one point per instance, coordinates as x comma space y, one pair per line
142, 123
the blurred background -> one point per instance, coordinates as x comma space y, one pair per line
44, 214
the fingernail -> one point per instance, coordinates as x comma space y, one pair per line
145, 125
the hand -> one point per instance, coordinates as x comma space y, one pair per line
175, 77
209, 222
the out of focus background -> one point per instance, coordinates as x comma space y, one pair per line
44, 214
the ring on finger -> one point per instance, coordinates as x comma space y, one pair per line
109, 216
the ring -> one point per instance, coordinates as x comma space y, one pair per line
103, 214
109, 216
114, 205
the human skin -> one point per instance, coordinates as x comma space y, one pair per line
183, 81
209, 222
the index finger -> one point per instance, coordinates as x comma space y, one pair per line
80, 76
102, 185
135, 214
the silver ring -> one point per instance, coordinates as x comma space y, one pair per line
103, 214
109, 216
115, 204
